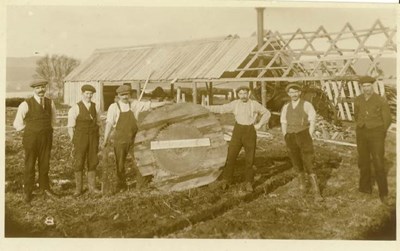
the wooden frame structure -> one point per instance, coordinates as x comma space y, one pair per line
283, 57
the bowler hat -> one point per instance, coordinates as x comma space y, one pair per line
366, 79
88, 88
293, 86
243, 88
37, 83
124, 89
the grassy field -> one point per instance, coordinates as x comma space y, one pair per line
275, 210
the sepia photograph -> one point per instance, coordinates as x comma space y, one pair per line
235, 120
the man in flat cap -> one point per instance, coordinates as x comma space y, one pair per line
36, 117
83, 129
246, 112
298, 125
373, 118
122, 117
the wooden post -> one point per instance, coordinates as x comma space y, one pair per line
138, 90
210, 94
264, 93
172, 94
251, 85
178, 95
194, 93
101, 94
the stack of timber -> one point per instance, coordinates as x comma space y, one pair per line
181, 146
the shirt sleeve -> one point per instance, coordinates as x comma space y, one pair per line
141, 106
53, 114
386, 115
112, 114
283, 114
72, 115
261, 110
309, 109
19, 123
226, 108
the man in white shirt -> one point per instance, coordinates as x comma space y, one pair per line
244, 134
83, 129
298, 125
122, 117
36, 117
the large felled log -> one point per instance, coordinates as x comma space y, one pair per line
188, 150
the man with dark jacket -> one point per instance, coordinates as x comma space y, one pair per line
36, 117
298, 125
83, 129
373, 118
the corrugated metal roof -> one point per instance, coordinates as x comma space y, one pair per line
186, 60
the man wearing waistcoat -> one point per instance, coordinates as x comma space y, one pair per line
373, 118
122, 117
244, 134
83, 129
298, 125
36, 117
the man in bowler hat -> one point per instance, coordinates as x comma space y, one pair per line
36, 117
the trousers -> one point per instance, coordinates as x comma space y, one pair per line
37, 147
371, 149
301, 151
242, 136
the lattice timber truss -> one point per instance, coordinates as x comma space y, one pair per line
330, 60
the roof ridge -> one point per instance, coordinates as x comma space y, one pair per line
173, 43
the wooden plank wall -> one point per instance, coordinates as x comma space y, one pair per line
73, 93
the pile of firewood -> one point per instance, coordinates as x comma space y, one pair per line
327, 130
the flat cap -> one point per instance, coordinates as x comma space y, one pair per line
37, 83
124, 89
366, 79
243, 88
293, 86
88, 88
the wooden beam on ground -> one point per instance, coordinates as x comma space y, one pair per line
336, 142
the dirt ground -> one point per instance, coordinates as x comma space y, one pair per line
275, 210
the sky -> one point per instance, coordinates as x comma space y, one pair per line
77, 31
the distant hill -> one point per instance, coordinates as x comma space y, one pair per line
19, 72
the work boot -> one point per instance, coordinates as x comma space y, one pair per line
314, 184
28, 197
78, 184
302, 183
92, 182
52, 195
249, 187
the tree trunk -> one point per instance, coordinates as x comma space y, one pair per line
186, 167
